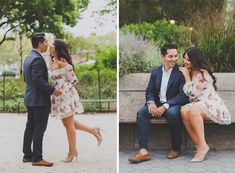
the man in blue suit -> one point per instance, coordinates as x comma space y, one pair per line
164, 96
36, 100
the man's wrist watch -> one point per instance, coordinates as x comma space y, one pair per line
166, 105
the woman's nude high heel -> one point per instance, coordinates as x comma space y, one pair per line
70, 157
201, 154
98, 136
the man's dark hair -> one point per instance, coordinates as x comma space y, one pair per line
167, 46
37, 38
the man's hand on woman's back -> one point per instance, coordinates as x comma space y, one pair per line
57, 92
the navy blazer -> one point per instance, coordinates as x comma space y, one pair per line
174, 94
35, 72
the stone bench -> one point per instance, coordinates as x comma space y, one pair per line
132, 98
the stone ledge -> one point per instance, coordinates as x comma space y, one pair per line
218, 137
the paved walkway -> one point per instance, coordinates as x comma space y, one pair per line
91, 158
216, 162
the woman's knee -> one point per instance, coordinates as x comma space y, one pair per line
184, 113
197, 112
70, 128
194, 111
68, 124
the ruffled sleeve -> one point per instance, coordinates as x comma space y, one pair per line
188, 88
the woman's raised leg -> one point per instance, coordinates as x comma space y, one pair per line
93, 131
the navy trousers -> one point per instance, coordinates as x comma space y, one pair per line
172, 116
34, 131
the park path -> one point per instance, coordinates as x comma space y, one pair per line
91, 158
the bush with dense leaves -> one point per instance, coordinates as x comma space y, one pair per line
160, 32
215, 40
137, 54
87, 83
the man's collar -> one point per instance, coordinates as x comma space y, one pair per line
37, 51
164, 70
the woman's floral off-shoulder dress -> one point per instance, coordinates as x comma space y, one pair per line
68, 103
201, 93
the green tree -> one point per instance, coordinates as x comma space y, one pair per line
9, 51
93, 42
111, 7
106, 58
33, 16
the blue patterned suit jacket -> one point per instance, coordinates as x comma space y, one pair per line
35, 73
174, 94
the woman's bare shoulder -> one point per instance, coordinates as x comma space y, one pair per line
53, 66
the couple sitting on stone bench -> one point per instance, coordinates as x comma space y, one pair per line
181, 93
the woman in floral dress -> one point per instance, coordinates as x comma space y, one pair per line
205, 103
68, 103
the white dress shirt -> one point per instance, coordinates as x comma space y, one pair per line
163, 89
165, 79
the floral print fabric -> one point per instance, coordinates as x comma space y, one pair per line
68, 103
201, 93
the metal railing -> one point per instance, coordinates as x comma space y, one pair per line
108, 101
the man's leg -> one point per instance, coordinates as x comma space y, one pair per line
41, 118
28, 135
172, 116
143, 126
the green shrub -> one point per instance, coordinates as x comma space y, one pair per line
106, 63
87, 85
12, 106
88, 82
137, 54
161, 32
106, 58
215, 40
14, 87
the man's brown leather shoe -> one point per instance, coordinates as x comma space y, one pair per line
139, 158
173, 154
42, 163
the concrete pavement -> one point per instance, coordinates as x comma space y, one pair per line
91, 158
216, 162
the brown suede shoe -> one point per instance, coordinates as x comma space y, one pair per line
42, 163
139, 158
173, 154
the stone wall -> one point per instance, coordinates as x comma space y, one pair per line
132, 97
